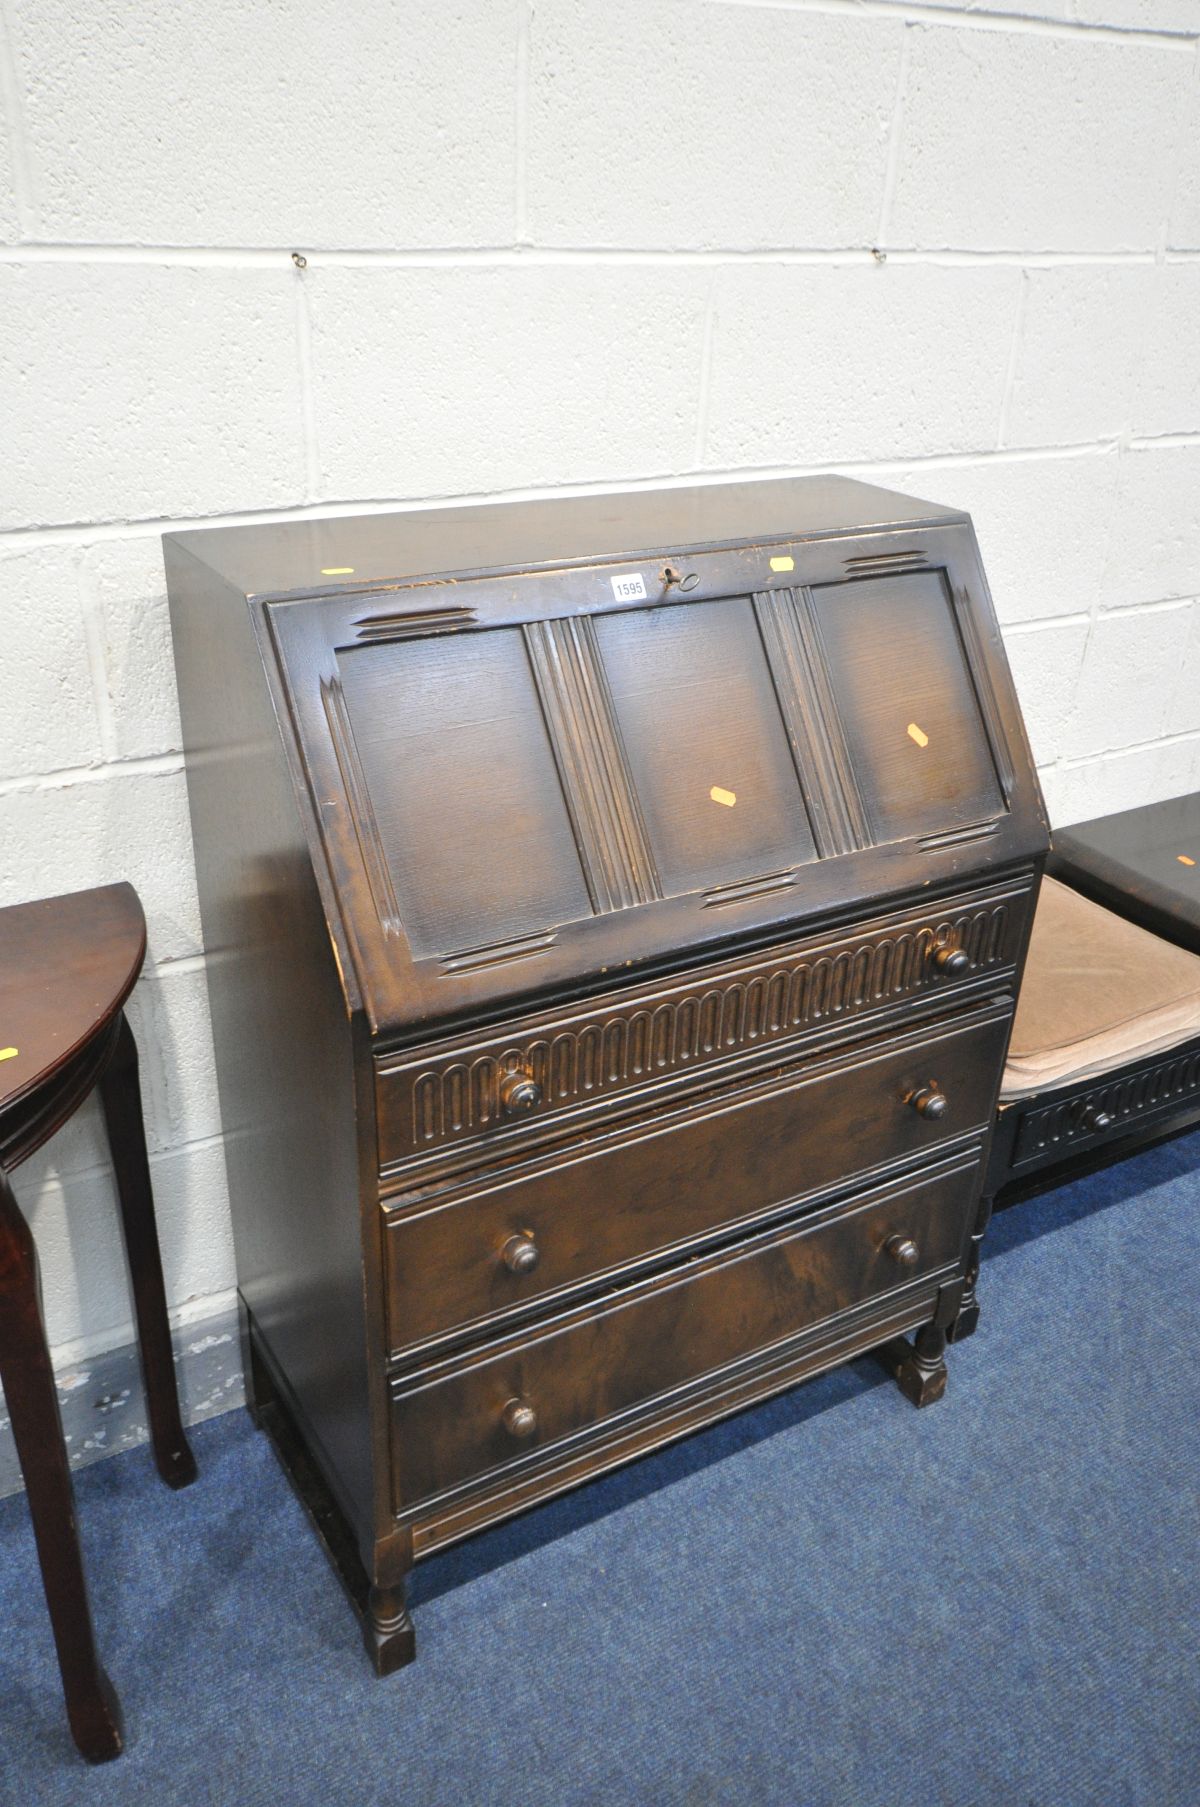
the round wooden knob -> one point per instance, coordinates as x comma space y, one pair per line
902, 1249
520, 1254
519, 1093
520, 1419
1094, 1118
953, 961
930, 1102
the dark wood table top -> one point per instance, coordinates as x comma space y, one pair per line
67, 965
1143, 863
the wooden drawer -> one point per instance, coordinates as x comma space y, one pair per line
636, 1194
468, 1417
1105, 1108
449, 1097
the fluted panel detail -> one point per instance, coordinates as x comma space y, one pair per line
625, 1047
1124, 1101
611, 835
806, 702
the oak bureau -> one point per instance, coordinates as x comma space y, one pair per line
614, 909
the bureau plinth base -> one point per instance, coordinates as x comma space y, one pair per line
383, 1616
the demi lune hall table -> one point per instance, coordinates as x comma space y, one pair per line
67, 966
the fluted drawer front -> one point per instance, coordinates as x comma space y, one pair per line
461, 1094
517, 1401
1111, 1105
516, 1237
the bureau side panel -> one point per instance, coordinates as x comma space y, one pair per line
283, 1034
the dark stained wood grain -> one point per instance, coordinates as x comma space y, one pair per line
464, 714
688, 1175
708, 755
612, 1053
121, 1100
291, 1045
450, 1423
32, 1400
67, 964
903, 692
740, 885
610, 830
290, 557
788, 626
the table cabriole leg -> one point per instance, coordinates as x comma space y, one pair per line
121, 1098
32, 1399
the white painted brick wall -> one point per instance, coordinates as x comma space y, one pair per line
1128, 680
121, 378
8, 198
952, 245
1020, 140
814, 365
669, 123
1042, 524
1168, 399
1083, 352
1154, 536
52, 716
1184, 231
430, 380
236, 124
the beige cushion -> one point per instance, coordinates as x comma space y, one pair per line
1098, 991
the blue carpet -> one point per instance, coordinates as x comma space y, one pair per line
832, 1599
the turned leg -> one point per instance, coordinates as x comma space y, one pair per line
121, 1098
29, 1390
388, 1629
918, 1368
967, 1321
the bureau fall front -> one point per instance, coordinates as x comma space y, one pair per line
613, 912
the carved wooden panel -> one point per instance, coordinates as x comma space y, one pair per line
835, 807
887, 564
402, 624
465, 804
1123, 1101
605, 812
909, 704
366, 828
699, 719
683, 1027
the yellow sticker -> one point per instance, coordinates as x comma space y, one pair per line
720, 796
337, 570
783, 564
8, 1053
917, 734
1184, 860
